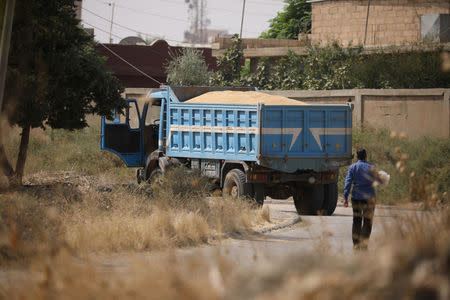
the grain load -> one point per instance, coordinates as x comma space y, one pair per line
238, 97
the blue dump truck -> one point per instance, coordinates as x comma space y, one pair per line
251, 150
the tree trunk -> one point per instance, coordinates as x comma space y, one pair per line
4, 162
21, 158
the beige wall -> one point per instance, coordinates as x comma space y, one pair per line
416, 113
391, 22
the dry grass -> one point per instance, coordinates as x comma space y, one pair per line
413, 264
49, 227
63, 150
178, 213
62, 202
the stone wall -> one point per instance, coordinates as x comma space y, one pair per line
391, 22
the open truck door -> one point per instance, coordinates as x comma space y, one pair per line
123, 136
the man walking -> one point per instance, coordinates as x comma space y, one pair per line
362, 175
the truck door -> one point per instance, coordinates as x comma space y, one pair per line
123, 136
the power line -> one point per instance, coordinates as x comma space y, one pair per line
102, 30
153, 14
125, 61
183, 4
129, 28
121, 38
167, 17
266, 2
131, 65
222, 9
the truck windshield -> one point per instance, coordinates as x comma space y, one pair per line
152, 116
133, 116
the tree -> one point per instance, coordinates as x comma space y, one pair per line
331, 67
295, 19
188, 69
230, 64
55, 77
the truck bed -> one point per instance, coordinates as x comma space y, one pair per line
286, 138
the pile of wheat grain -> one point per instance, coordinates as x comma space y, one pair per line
238, 97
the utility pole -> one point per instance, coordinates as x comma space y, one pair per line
242, 20
4, 45
112, 21
201, 21
367, 23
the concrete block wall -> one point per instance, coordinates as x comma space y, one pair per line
391, 22
415, 112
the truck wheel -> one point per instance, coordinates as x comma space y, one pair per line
309, 199
331, 197
259, 194
234, 183
155, 176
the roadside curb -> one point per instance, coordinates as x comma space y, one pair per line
280, 226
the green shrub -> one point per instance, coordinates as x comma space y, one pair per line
335, 67
424, 164
188, 69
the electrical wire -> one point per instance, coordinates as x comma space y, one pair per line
131, 65
165, 17
121, 38
125, 61
128, 28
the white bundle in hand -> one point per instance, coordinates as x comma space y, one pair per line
384, 177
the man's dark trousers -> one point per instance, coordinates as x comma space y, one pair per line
363, 211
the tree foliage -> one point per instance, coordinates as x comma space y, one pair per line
188, 69
229, 65
331, 68
294, 19
55, 77
285, 73
335, 67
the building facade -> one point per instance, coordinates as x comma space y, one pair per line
123, 60
389, 22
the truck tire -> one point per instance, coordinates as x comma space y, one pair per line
259, 194
234, 184
155, 176
330, 199
309, 199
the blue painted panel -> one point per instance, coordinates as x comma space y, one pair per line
293, 137
294, 141
131, 159
338, 143
185, 141
317, 126
314, 137
219, 142
213, 131
272, 131
208, 141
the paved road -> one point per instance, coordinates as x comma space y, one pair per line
312, 233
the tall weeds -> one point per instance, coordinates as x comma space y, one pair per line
414, 165
178, 213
